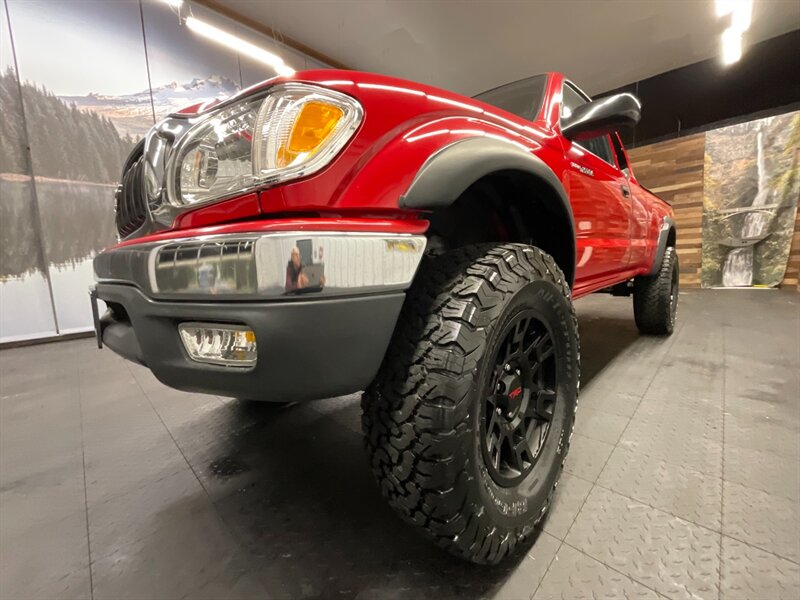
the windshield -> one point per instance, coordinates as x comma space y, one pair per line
522, 98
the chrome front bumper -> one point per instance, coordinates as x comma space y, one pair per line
260, 266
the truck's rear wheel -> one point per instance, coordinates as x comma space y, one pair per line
469, 419
655, 297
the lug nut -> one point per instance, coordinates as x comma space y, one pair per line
517, 372
508, 368
499, 412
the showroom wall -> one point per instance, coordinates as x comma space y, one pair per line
674, 171
692, 98
735, 193
72, 110
71, 115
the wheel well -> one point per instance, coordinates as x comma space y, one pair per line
508, 206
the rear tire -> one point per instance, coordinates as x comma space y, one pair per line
655, 297
460, 382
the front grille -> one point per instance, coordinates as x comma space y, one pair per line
131, 207
216, 267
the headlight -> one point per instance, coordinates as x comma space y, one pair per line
293, 131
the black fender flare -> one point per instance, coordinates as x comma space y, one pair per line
448, 173
667, 225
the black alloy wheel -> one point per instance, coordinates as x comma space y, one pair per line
673, 298
520, 400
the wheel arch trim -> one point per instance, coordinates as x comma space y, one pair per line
450, 171
667, 227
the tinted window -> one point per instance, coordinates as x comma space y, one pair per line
598, 146
570, 100
522, 98
620, 154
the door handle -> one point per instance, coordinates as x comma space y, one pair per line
626, 192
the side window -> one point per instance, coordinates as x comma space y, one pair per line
570, 100
619, 152
599, 146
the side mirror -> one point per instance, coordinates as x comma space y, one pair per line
599, 117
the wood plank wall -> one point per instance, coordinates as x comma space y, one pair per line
674, 170
792, 277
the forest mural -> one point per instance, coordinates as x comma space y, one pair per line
69, 120
77, 163
78, 155
750, 194
94, 148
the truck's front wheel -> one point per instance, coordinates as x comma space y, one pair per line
469, 419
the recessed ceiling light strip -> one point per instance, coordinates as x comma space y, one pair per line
740, 12
231, 41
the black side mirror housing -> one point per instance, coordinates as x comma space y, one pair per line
603, 116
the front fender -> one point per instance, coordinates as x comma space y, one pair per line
389, 169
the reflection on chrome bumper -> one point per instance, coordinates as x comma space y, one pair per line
269, 265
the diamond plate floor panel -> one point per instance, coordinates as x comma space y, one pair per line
567, 501
680, 491
587, 457
576, 576
672, 556
749, 573
760, 519
689, 436
765, 471
601, 399
682, 479
600, 425
776, 436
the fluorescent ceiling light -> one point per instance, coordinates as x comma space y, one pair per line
741, 14
285, 70
740, 10
731, 46
239, 45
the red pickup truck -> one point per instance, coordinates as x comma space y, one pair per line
337, 231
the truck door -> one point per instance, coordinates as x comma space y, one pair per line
601, 201
640, 216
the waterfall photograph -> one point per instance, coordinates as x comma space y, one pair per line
750, 196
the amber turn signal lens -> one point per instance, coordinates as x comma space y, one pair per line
313, 125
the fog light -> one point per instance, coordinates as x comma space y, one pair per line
231, 345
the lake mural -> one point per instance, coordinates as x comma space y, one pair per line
26, 308
80, 111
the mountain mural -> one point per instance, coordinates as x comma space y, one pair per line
132, 113
78, 145
66, 143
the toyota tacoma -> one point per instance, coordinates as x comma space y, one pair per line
336, 231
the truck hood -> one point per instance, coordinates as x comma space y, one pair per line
357, 83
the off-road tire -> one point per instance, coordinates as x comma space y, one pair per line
421, 415
655, 297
